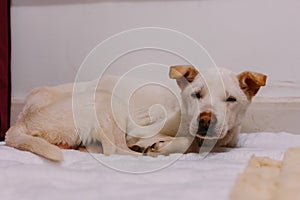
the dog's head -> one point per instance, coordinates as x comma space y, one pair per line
214, 101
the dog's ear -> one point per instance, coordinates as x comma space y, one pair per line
250, 82
183, 74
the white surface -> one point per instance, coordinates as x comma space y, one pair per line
27, 176
50, 38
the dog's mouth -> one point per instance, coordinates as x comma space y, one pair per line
211, 134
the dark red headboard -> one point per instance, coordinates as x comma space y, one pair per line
5, 80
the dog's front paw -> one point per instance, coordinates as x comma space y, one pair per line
158, 145
154, 149
137, 148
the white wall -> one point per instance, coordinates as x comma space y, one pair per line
50, 39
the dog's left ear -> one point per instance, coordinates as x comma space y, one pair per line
183, 74
250, 82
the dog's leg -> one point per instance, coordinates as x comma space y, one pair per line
120, 140
94, 147
173, 145
113, 140
108, 142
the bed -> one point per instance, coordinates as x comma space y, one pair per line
81, 175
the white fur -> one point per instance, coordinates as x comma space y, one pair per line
153, 119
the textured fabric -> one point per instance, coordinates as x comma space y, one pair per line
81, 176
5, 82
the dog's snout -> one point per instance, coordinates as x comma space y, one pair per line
205, 119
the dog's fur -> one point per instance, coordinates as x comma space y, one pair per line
213, 104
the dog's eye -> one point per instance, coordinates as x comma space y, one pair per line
231, 99
196, 95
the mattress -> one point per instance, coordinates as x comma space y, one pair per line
91, 176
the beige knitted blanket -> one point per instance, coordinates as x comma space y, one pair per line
268, 179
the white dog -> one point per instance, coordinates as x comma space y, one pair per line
212, 106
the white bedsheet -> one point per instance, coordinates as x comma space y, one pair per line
80, 176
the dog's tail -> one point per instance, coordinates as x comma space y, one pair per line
16, 137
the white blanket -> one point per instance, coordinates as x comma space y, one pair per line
81, 176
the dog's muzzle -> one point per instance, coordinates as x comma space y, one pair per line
206, 124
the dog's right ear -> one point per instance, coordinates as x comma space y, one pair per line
183, 74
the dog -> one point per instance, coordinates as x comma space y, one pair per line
212, 105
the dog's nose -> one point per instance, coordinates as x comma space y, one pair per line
205, 119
